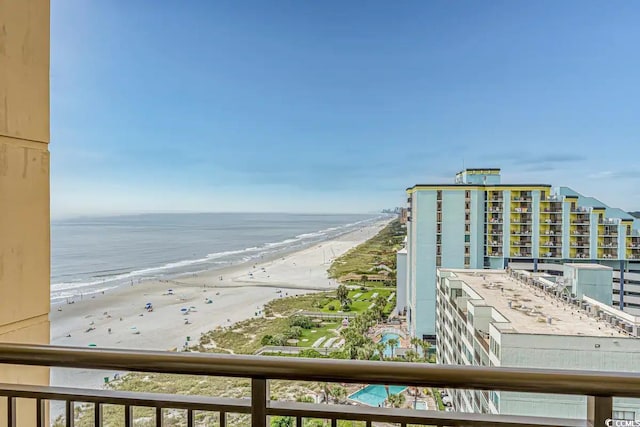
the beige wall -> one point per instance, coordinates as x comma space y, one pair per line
24, 185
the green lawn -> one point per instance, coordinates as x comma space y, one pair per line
325, 329
359, 304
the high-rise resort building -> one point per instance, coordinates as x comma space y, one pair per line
518, 319
477, 222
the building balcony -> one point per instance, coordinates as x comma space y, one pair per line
545, 253
599, 387
522, 199
521, 210
521, 254
494, 254
551, 245
580, 222
580, 244
491, 209
552, 221
580, 230
551, 205
607, 244
579, 254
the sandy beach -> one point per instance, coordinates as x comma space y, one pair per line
118, 319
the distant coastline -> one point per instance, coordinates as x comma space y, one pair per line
178, 233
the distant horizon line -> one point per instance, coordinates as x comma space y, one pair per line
111, 215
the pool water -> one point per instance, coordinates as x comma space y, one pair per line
386, 338
375, 395
421, 404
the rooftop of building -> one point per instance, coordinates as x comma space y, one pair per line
527, 308
479, 170
450, 184
588, 266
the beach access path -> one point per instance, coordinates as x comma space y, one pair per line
118, 319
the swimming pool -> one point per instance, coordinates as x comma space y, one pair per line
385, 339
375, 395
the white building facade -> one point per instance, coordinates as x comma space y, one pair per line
491, 318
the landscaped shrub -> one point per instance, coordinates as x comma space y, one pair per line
309, 352
346, 307
331, 307
266, 340
279, 339
301, 321
294, 332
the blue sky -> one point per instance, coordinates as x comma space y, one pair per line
336, 106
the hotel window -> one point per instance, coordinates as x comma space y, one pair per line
467, 238
439, 228
467, 228
467, 194
467, 260
438, 261
467, 217
439, 217
624, 415
439, 205
495, 398
466, 250
467, 205
439, 195
439, 239
495, 347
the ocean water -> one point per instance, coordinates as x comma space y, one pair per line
90, 255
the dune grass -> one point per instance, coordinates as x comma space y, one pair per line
380, 249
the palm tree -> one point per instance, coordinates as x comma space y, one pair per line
393, 343
425, 349
411, 356
380, 348
362, 353
338, 393
416, 342
396, 400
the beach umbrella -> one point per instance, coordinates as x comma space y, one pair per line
92, 345
184, 309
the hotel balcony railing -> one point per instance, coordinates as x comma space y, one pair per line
599, 387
